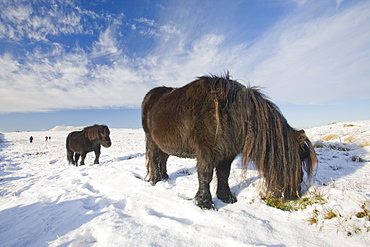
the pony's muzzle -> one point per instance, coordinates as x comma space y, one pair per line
106, 144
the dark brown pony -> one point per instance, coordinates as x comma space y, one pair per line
213, 119
89, 139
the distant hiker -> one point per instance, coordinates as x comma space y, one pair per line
46, 138
31, 139
49, 138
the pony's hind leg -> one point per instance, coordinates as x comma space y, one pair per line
156, 161
223, 190
70, 157
77, 156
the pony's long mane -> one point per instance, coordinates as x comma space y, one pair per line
92, 132
275, 148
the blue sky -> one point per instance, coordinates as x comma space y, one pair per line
92, 61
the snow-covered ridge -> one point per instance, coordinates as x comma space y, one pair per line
46, 202
65, 128
345, 132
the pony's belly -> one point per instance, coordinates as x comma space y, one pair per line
171, 142
181, 153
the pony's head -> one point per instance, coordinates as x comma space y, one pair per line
98, 133
306, 152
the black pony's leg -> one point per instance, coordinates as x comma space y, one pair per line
223, 190
203, 198
77, 156
156, 162
97, 154
83, 156
70, 157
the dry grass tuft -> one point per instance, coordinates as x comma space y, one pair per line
330, 137
349, 139
364, 143
349, 125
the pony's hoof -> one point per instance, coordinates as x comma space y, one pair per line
228, 199
153, 181
209, 205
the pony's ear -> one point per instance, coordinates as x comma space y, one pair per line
301, 136
104, 130
92, 133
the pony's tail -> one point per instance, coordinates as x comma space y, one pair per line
274, 147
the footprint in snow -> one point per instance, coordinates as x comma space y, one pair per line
90, 188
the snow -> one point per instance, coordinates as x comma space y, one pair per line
44, 201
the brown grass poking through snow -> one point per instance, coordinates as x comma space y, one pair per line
329, 137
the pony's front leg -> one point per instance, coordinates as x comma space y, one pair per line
223, 190
97, 155
203, 198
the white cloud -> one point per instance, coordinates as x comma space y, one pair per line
146, 21
169, 29
339, 3
7, 66
319, 61
37, 20
299, 60
107, 44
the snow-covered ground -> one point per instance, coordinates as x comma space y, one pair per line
46, 202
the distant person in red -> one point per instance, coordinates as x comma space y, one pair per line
46, 138
31, 139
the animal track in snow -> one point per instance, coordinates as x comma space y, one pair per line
90, 188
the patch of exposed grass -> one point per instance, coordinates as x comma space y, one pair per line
349, 125
365, 212
314, 218
318, 144
333, 146
330, 137
311, 198
330, 214
279, 203
361, 142
364, 143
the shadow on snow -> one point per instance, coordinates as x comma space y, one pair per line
19, 225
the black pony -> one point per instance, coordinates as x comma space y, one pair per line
213, 119
89, 139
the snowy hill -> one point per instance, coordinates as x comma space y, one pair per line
46, 202
65, 128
